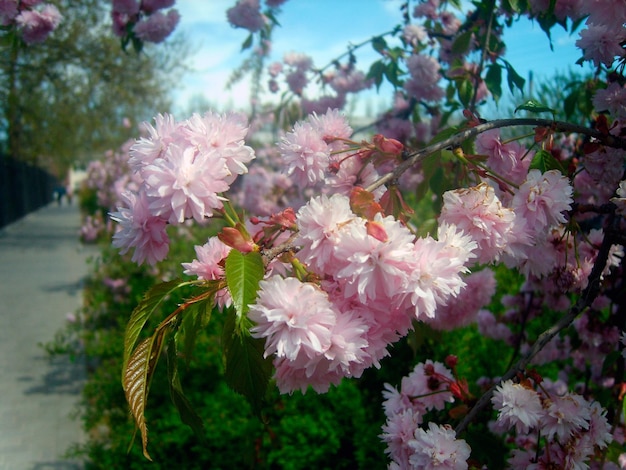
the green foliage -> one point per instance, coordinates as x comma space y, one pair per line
535, 106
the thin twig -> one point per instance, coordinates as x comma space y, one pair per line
584, 301
463, 135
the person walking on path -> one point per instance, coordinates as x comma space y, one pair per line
42, 265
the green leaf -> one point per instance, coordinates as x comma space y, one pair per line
513, 78
493, 80
379, 44
544, 161
243, 273
188, 415
136, 379
462, 43
465, 90
151, 301
376, 72
247, 371
535, 107
392, 72
247, 44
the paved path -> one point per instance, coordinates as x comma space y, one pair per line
42, 265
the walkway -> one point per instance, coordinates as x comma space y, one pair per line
42, 265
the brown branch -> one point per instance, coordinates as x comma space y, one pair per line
584, 301
463, 135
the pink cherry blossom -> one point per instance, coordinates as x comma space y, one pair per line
150, 6
305, 154
207, 265
157, 26
565, 415
543, 198
611, 99
425, 75
517, 406
185, 184
398, 431
292, 316
429, 383
479, 213
319, 223
373, 268
147, 149
141, 230
508, 160
462, 310
601, 44
8, 11
37, 25
222, 135
126, 7
435, 270
438, 449
246, 14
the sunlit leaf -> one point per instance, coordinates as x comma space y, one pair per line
136, 380
151, 301
243, 273
534, 106
187, 414
545, 161
247, 371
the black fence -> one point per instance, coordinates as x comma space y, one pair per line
23, 188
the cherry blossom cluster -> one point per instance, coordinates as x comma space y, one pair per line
298, 72
182, 168
409, 444
375, 278
34, 19
247, 14
145, 19
554, 428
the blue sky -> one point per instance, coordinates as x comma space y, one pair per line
322, 29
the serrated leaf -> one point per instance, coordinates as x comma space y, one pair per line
462, 43
535, 106
243, 274
247, 371
493, 80
187, 414
152, 299
545, 161
136, 380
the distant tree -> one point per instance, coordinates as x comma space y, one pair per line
75, 94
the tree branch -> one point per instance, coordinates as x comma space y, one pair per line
584, 301
462, 136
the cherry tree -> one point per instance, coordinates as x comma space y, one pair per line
326, 257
